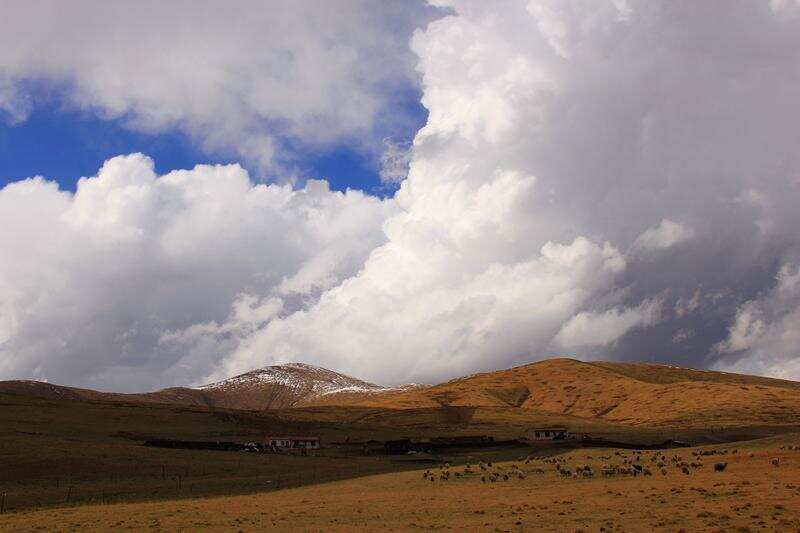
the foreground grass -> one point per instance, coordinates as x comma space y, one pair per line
749, 495
57, 452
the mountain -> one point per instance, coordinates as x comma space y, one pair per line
290, 385
271, 387
627, 393
633, 394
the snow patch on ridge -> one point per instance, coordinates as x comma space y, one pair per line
314, 381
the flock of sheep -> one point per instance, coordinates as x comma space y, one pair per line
621, 463
490, 473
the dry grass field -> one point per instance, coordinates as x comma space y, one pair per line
751, 494
625, 393
77, 463
54, 452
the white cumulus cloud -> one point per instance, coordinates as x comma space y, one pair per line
666, 235
765, 335
92, 283
249, 79
600, 329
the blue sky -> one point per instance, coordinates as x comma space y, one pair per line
64, 144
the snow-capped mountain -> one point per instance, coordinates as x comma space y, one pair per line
271, 387
288, 385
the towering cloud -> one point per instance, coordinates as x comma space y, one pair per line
562, 134
612, 179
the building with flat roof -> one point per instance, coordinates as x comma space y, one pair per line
549, 434
292, 443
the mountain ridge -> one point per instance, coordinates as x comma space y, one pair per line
271, 387
624, 393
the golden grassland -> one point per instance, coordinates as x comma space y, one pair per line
634, 394
52, 452
623, 393
75, 463
749, 495
58, 450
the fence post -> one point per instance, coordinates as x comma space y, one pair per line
3, 503
163, 472
69, 492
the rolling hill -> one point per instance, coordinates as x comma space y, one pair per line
627, 393
634, 394
271, 387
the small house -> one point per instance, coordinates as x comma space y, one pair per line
291, 443
549, 434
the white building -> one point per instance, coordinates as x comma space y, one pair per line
292, 443
550, 434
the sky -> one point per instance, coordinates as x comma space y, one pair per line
401, 191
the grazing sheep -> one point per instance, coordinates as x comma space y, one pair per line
685, 470
483, 479
663, 471
775, 461
647, 472
520, 475
720, 467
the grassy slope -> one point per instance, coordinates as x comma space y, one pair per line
624, 393
627, 393
749, 495
49, 445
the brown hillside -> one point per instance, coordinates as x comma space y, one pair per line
271, 387
623, 393
628, 393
